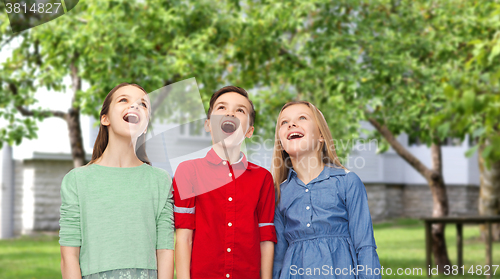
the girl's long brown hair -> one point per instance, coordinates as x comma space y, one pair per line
101, 142
281, 162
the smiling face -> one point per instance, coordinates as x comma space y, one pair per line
298, 132
128, 113
230, 119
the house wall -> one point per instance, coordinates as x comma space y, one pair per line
393, 187
388, 201
462, 199
38, 182
37, 194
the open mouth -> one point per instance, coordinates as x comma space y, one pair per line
295, 136
228, 127
131, 118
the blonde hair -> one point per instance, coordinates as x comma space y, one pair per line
281, 162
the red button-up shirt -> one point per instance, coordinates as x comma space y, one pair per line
231, 210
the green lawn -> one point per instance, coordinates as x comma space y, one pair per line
30, 257
400, 245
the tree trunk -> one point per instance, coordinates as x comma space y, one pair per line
434, 177
73, 120
489, 192
75, 137
439, 208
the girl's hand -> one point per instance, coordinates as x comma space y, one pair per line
165, 263
70, 262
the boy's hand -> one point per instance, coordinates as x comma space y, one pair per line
266, 259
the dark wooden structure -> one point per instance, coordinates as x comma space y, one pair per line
459, 221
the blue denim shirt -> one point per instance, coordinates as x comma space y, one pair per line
324, 223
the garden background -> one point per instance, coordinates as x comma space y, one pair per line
428, 70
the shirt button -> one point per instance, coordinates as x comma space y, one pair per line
307, 207
227, 275
230, 174
229, 249
230, 199
230, 224
224, 163
308, 225
307, 190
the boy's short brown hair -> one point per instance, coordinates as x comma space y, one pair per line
229, 89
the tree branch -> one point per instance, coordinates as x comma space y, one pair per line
81, 20
76, 80
429, 174
38, 58
26, 112
158, 102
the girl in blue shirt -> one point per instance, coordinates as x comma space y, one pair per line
322, 218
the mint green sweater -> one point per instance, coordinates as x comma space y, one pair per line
118, 216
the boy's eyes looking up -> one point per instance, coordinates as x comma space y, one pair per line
219, 107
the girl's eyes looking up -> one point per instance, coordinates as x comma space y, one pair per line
300, 118
141, 104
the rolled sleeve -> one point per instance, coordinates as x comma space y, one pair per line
165, 221
360, 225
265, 211
184, 199
69, 221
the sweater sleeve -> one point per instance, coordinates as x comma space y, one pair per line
69, 222
361, 228
165, 222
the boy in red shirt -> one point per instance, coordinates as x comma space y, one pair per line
223, 204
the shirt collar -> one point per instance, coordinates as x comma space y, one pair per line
213, 158
328, 170
290, 172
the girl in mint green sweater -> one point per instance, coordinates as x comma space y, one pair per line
117, 211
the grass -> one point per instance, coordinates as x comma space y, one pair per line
30, 257
401, 244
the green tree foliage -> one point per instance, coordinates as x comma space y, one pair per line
473, 92
473, 101
103, 43
384, 61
